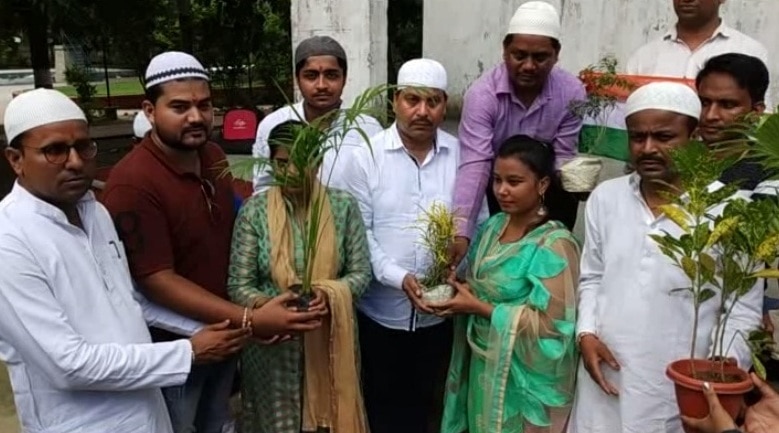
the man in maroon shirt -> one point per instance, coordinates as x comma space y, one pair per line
173, 208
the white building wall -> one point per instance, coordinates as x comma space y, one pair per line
466, 35
359, 25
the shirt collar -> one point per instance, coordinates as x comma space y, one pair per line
47, 209
397, 144
722, 31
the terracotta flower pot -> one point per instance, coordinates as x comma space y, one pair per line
689, 391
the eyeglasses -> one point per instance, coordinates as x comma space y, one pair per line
209, 191
58, 153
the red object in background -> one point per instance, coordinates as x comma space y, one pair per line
239, 124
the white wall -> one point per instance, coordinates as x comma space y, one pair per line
359, 25
466, 35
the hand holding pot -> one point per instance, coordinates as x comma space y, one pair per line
217, 342
718, 420
414, 292
763, 417
276, 318
319, 303
594, 352
464, 302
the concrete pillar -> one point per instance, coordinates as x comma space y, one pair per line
60, 63
359, 25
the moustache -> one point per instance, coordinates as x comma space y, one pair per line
426, 123
197, 128
650, 159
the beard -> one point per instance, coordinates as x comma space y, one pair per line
176, 140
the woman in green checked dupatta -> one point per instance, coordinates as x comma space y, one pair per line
308, 383
513, 361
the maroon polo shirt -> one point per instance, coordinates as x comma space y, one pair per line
171, 219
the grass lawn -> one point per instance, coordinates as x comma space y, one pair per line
119, 87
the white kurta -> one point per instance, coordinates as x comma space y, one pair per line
393, 192
331, 171
626, 298
73, 331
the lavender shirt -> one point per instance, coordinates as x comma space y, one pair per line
492, 113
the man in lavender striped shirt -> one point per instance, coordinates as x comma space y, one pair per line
526, 94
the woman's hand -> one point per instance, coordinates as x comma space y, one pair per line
319, 303
464, 302
718, 420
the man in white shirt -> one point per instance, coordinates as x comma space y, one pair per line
631, 324
320, 72
411, 165
698, 35
73, 331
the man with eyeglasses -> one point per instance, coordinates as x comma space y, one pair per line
173, 208
73, 330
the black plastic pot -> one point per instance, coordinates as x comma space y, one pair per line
303, 300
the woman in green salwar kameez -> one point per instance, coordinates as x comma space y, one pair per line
311, 381
513, 361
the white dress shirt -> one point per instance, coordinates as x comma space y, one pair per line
331, 172
627, 298
671, 57
393, 192
73, 330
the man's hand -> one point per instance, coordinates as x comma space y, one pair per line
414, 292
217, 342
718, 420
276, 318
763, 417
594, 352
457, 251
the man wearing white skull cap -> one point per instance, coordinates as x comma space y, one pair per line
528, 95
174, 210
631, 323
411, 167
73, 329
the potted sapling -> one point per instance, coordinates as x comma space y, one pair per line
437, 227
723, 256
603, 86
307, 144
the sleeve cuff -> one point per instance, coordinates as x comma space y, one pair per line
394, 275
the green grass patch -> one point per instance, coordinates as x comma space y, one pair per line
119, 87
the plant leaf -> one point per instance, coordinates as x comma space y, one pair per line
758, 365
767, 273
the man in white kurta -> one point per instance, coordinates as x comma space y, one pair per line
73, 331
320, 71
631, 324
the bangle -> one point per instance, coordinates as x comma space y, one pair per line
193, 355
245, 314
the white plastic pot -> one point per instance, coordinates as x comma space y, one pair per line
581, 173
437, 294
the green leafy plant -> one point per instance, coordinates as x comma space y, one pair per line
720, 252
438, 226
307, 145
600, 81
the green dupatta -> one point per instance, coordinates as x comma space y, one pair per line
523, 357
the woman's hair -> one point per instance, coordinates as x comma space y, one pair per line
536, 155
282, 134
